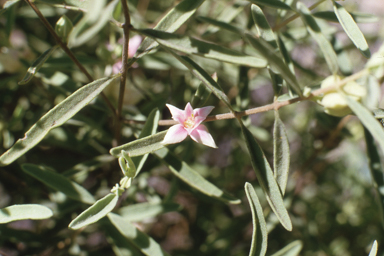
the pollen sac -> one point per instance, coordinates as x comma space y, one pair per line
334, 102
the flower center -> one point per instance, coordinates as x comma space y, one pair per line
190, 122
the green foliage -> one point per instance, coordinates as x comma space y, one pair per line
91, 175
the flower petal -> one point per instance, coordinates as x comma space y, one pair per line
175, 134
188, 110
203, 112
177, 114
201, 135
134, 44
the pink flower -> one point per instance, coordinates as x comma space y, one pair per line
189, 124
134, 44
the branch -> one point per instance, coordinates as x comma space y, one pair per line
66, 49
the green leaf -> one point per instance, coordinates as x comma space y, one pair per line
24, 212
351, 28
96, 18
373, 251
37, 65
176, 17
265, 177
281, 155
184, 172
142, 211
314, 30
358, 17
222, 25
291, 249
208, 50
139, 239
94, 213
149, 128
260, 233
142, 146
7, 5
262, 26
54, 118
204, 77
376, 169
59, 182
367, 119
272, 3
201, 96
276, 62
226, 16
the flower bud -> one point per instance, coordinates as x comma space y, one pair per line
63, 27
334, 101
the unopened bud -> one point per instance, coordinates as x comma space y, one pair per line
63, 27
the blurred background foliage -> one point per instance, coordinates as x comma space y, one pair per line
331, 201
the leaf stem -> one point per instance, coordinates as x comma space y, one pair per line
66, 49
123, 71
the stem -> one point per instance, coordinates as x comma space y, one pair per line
275, 105
123, 71
295, 16
66, 49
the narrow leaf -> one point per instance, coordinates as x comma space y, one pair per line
281, 155
221, 24
275, 61
314, 30
291, 249
373, 251
266, 180
54, 118
142, 211
59, 182
94, 213
142, 146
139, 239
272, 3
262, 25
376, 169
190, 45
260, 233
37, 65
357, 17
149, 128
367, 119
184, 172
170, 23
24, 212
351, 28
204, 77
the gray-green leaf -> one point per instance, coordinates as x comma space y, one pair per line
291, 249
190, 45
142, 211
272, 3
262, 26
373, 251
141, 146
351, 28
265, 177
324, 44
281, 155
139, 239
94, 213
260, 233
170, 23
24, 212
184, 172
32, 70
54, 118
59, 182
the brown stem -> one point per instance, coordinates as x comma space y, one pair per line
275, 105
123, 71
66, 49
